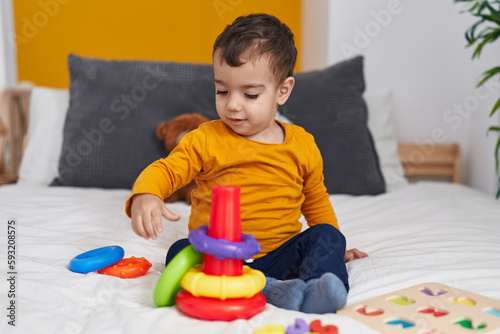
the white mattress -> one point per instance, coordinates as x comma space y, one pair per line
427, 232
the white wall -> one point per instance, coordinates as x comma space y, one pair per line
416, 48
8, 64
3, 71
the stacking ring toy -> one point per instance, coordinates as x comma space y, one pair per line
221, 248
127, 268
168, 284
96, 259
215, 309
245, 286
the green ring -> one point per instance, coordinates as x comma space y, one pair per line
169, 285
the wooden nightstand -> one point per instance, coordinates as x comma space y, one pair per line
14, 107
431, 162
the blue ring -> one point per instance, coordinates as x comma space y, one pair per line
96, 259
222, 248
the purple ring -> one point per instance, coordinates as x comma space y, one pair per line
221, 248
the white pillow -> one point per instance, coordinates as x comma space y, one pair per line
381, 125
48, 107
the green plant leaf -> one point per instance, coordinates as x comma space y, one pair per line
491, 18
486, 38
474, 6
488, 74
493, 128
497, 148
470, 33
482, 6
494, 13
495, 107
487, 35
498, 193
471, 9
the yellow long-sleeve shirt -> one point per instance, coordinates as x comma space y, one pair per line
278, 181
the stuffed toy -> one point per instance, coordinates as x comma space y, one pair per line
171, 134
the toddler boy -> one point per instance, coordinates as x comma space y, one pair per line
277, 166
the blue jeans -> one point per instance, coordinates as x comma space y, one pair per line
309, 254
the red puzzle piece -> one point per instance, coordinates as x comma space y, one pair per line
434, 311
316, 327
370, 311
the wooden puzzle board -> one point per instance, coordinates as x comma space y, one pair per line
428, 308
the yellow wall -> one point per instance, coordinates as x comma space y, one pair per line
47, 30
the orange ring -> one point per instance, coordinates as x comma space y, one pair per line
127, 268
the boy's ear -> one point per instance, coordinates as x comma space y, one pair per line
285, 89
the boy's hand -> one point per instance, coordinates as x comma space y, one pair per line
354, 254
147, 209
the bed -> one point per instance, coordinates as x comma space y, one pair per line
62, 205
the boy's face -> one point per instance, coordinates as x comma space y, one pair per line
247, 98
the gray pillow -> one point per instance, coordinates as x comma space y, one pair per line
329, 105
115, 107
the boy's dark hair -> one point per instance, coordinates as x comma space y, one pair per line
259, 35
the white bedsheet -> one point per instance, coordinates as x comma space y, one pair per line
423, 232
